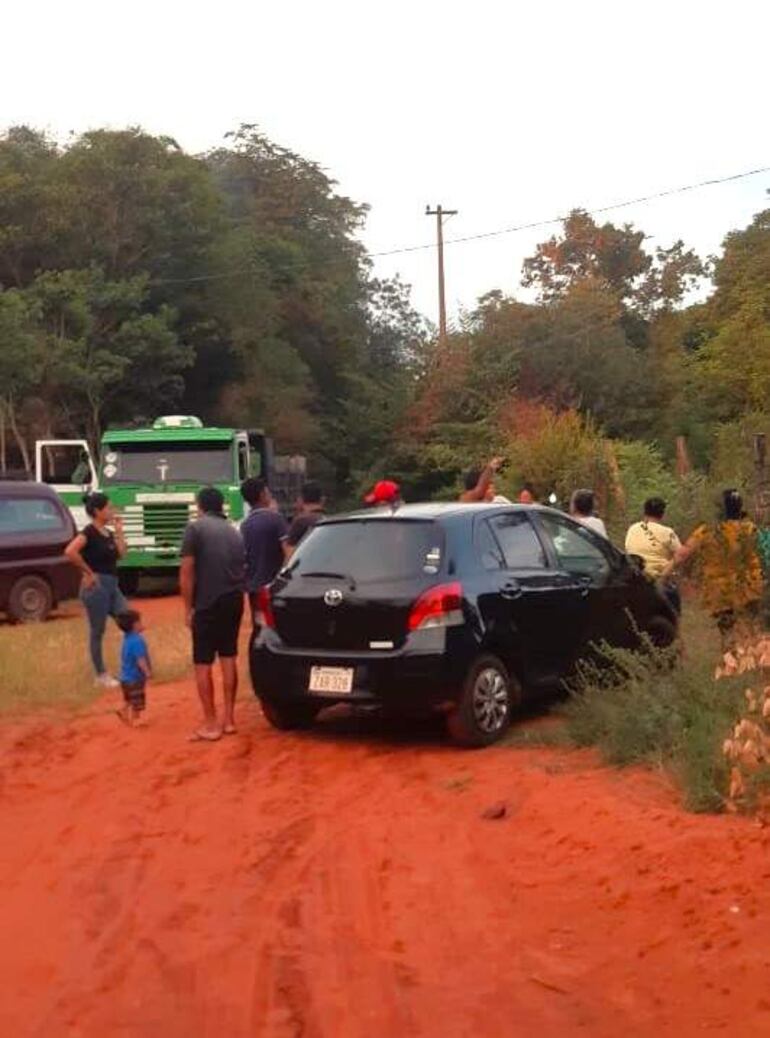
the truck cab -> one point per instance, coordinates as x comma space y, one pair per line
67, 467
152, 476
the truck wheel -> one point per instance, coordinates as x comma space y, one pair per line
288, 717
128, 580
486, 703
30, 600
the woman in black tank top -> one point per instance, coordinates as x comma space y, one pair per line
95, 551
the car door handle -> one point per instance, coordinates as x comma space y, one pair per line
583, 585
511, 591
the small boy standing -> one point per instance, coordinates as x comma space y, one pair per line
134, 667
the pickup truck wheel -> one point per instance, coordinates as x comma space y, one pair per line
288, 717
486, 703
30, 600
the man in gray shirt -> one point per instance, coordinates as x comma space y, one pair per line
212, 584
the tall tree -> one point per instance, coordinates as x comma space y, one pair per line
616, 260
612, 256
20, 366
731, 360
318, 344
101, 351
31, 217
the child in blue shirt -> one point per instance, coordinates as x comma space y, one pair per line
134, 667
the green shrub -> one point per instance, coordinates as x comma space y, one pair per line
556, 453
653, 707
644, 473
732, 461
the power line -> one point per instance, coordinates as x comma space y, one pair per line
501, 231
560, 219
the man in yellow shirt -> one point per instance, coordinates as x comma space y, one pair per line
656, 544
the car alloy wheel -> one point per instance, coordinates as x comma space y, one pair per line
490, 700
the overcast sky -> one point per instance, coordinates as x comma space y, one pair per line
509, 112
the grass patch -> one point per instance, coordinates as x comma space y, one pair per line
47, 665
522, 736
658, 708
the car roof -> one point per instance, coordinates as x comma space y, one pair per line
26, 488
436, 510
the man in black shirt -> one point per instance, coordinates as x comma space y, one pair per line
311, 511
212, 582
264, 532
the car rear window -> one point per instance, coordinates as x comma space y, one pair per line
372, 550
29, 515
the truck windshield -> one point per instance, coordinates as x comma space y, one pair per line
198, 463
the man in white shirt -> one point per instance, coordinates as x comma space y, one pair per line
581, 508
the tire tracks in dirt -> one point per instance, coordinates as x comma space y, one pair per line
344, 884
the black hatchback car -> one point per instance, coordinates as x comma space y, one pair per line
35, 528
456, 608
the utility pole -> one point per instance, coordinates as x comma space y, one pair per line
440, 213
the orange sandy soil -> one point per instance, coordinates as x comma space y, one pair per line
344, 883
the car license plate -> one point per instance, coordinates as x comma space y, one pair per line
337, 680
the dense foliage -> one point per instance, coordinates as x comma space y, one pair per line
623, 356
136, 279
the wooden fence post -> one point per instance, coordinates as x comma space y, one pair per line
761, 502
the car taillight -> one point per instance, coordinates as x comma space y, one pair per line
440, 606
264, 613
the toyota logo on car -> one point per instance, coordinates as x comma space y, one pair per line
333, 597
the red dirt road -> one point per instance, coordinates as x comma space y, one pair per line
344, 883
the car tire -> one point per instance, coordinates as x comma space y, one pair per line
30, 599
483, 712
661, 632
290, 716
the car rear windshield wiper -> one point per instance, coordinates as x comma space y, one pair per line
330, 575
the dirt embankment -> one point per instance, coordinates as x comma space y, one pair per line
344, 883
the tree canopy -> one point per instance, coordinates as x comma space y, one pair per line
136, 279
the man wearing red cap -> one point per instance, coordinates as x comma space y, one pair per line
386, 492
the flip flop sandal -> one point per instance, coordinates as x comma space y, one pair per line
204, 737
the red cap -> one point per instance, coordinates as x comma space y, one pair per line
384, 492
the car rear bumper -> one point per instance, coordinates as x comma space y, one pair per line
424, 675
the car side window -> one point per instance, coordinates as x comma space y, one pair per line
488, 548
576, 549
518, 540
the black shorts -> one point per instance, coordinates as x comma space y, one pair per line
215, 630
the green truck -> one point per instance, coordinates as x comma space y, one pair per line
152, 476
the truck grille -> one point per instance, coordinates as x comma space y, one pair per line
166, 523
157, 528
